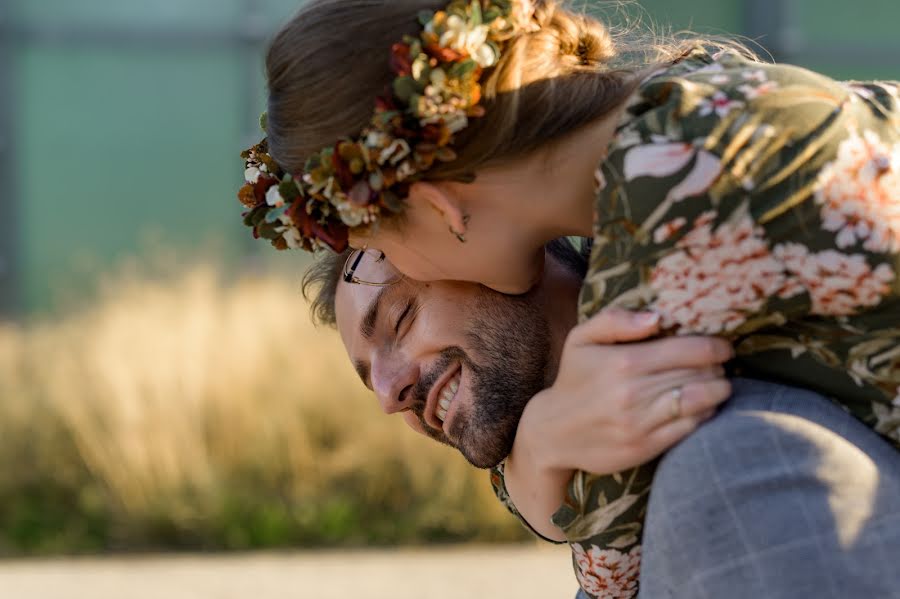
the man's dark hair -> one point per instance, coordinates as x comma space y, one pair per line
320, 286
321, 280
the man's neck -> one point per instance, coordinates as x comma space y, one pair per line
560, 301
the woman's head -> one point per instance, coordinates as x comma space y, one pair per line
328, 65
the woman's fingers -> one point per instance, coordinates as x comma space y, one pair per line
636, 357
651, 386
615, 325
664, 437
684, 352
689, 400
704, 396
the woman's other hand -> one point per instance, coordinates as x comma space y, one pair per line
617, 402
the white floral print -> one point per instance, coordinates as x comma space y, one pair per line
665, 231
860, 194
717, 277
718, 103
607, 573
664, 159
753, 92
746, 221
838, 284
756, 75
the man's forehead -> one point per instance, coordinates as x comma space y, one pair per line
356, 306
351, 302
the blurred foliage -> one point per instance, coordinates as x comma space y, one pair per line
184, 412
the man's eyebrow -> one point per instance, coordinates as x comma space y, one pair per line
367, 327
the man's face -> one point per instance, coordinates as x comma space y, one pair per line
457, 360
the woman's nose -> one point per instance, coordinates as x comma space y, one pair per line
392, 382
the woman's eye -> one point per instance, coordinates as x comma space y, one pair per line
403, 316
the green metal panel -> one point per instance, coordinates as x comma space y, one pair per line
118, 144
130, 119
10, 231
849, 40
702, 16
127, 13
836, 22
843, 39
130, 114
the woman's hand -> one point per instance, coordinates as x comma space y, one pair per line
612, 407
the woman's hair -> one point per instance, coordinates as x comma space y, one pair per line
328, 64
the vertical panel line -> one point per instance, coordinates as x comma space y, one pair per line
10, 221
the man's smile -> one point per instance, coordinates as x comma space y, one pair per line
441, 397
448, 394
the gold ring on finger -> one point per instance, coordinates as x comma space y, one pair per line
676, 394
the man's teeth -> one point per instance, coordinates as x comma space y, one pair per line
446, 397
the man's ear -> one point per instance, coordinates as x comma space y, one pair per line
437, 197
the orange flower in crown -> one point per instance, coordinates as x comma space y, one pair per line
353, 183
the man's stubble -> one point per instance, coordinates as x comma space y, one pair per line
509, 363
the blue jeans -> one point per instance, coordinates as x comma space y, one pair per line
782, 495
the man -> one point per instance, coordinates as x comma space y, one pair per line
781, 495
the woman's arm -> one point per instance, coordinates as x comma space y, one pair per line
613, 406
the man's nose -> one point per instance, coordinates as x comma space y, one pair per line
392, 382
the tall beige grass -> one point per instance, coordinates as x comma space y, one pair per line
171, 396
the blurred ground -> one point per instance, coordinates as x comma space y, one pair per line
524, 572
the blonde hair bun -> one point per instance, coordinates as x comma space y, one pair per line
582, 40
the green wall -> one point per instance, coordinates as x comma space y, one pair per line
129, 115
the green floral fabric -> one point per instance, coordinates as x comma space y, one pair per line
760, 203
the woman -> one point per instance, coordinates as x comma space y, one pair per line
756, 202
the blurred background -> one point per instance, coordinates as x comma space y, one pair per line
161, 387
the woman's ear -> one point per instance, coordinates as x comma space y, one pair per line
437, 197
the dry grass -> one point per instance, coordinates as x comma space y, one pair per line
198, 414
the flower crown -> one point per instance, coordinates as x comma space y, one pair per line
352, 183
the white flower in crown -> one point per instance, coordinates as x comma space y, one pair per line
274, 197
345, 186
351, 214
465, 36
405, 171
397, 151
456, 121
376, 139
289, 232
251, 175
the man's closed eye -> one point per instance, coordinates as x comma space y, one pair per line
406, 318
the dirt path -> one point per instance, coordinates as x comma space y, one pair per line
527, 572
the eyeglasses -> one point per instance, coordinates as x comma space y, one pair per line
370, 267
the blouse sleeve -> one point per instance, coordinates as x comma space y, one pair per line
760, 203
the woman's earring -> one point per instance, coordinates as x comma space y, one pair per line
461, 236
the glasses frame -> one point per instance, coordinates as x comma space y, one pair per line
356, 257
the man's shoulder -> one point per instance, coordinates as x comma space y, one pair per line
762, 427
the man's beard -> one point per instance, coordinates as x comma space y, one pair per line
511, 338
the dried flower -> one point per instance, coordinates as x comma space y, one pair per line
435, 93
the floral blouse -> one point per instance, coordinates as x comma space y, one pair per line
760, 203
